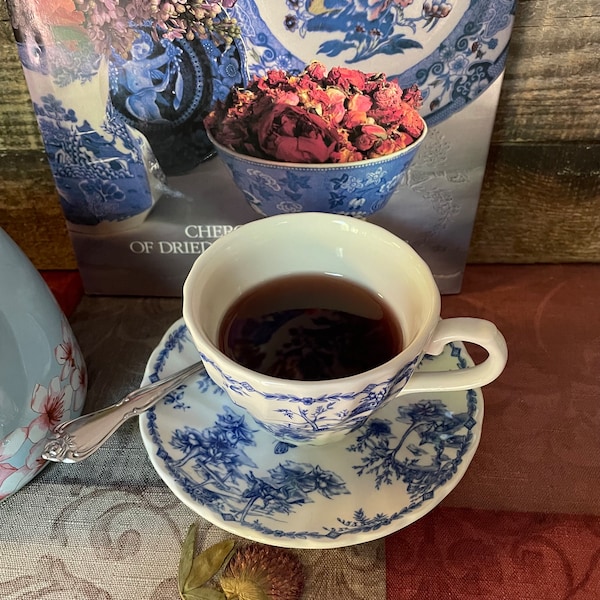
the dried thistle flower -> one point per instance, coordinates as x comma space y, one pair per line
258, 572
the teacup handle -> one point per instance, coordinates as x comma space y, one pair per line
466, 329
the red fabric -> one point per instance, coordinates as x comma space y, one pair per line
524, 521
66, 287
464, 554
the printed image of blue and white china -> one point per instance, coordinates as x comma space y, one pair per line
166, 87
104, 170
385, 475
114, 126
356, 189
453, 49
43, 379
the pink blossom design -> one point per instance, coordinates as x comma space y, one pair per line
375, 8
21, 450
10, 445
15, 477
65, 353
34, 461
73, 371
51, 404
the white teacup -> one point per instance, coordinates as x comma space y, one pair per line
318, 412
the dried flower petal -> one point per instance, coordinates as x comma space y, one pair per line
242, 589
318, 116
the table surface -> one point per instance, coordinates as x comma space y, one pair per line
524, 522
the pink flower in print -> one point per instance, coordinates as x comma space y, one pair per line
51, 404
73, 370
6, 470
12, 443
66, 353
34, 461
376, 8
9, 446
13, 477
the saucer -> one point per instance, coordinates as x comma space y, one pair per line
380, 478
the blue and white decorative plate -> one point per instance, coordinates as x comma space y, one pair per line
381, 478
453, 49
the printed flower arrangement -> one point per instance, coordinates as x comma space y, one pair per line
109, 22
318, 116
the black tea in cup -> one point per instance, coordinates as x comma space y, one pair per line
310, 327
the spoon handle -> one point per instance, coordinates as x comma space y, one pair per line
75, 440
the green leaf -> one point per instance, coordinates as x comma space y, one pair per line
187, 558
203, 593
208, 563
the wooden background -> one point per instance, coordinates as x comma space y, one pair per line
540, 200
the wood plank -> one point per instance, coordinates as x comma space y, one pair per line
18, 126
551, 86
539, 204
30, 211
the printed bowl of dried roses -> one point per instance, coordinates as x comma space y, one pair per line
337, 140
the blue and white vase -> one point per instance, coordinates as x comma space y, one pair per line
105, 171
43, 379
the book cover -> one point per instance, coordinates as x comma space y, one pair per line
120, 89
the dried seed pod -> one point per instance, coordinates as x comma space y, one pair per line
259, 572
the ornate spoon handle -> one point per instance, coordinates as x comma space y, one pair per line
75, 440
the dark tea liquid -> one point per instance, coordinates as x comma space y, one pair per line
310, 327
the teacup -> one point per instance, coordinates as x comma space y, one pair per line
322, 411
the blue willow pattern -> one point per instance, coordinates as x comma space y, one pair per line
96, 180
216, 466
462, 65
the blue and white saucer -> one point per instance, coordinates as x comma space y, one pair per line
382, 477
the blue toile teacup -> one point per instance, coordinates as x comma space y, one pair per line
272, 252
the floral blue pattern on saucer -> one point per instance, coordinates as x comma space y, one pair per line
453, 49
379, 479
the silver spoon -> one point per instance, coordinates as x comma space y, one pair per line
75, 440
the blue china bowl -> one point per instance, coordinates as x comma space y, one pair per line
356, 189
43, 379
